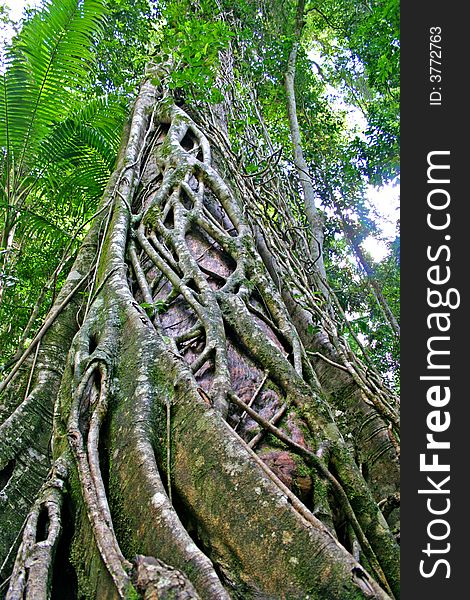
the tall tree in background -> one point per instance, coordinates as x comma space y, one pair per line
195, 416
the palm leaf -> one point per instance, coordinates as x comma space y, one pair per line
51, 56
97, 126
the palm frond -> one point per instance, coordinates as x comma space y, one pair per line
97, 126
39, 227
51, 56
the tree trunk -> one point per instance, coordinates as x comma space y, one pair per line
312, 213
165, 434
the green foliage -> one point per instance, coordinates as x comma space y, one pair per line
353, 290
50, 57
360, 46
125, 45
152, 308
189, 38
58, 147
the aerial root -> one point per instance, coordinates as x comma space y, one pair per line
32, 573
87, 461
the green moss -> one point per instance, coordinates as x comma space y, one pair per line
77, 548
302, 469
272, 440
151, 216
84, 592
132, 593
122, 523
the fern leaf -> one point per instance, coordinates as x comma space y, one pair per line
51, 56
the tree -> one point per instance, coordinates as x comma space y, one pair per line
189, 420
